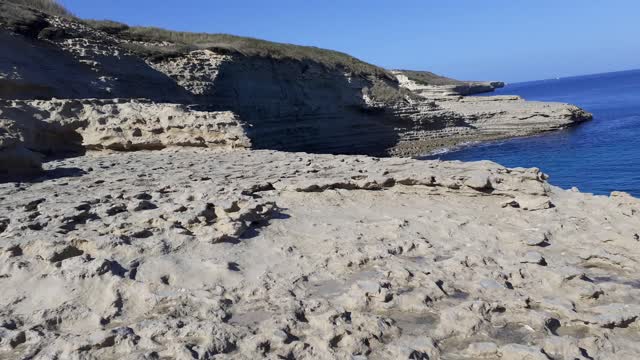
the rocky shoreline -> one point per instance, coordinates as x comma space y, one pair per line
217, 204
216, 253
291, 104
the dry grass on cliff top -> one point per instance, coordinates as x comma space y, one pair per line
185, 41
244, 45
46, 6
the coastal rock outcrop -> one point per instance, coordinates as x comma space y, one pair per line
291, 98
208, 253
83, 63
430, 85
150, 226
459, 120
31, 129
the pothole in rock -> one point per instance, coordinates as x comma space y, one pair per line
513, 333
574, 331
250, 318
329, 288
633, 283
415, 324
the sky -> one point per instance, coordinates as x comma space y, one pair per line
507, 40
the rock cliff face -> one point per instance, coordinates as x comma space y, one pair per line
430, 85
287, 104
153, 229
31, 129
82, 64
290, 105
456, 120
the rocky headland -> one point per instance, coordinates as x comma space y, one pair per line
194, 196
290, 98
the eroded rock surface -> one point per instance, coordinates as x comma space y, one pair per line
203, 249
208, 253
289, 104
443, 87
30, 129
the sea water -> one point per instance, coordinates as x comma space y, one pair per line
598, 156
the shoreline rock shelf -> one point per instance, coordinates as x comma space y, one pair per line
162, 201
288, 103
248, 253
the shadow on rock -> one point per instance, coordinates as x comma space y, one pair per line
289, 107
51, 174
253, 230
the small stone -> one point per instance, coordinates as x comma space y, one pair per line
4, 224
230, 206
116, 209
521, 352
64, 253
369, 287
534, 203
281, 334
537, 239
510, 203
479, 181
144, 205
19, 337
143, 196
533, 257
14, 250
482, 349
33, 205
491, 284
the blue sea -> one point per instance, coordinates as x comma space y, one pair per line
599, 156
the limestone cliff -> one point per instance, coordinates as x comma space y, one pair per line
320, 101
176, 240
428, 84
33, 128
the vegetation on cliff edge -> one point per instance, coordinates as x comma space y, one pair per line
149, 37
51, 7
429, 78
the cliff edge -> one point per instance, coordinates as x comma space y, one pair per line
146, 211
291, 98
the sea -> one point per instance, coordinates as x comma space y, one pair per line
599, 156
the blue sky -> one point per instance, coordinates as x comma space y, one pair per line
506, 40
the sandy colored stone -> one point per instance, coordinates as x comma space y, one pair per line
243, 253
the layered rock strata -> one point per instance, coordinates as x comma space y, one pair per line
445, 87
459, 120
288, 104
35, 128
205, 249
